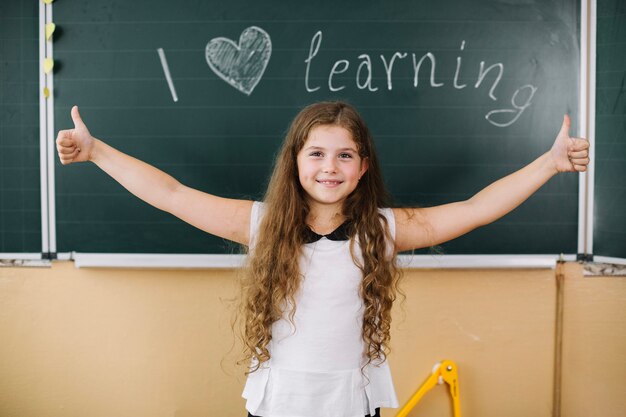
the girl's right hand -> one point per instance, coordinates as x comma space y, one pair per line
75, 145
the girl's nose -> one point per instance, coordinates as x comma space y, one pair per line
329, 166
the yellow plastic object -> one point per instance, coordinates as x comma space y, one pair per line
48, 64
445, 371
50, 27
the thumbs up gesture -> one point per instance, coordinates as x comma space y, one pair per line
75, 145
569, 154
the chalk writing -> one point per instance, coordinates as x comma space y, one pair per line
166, 71
240, 65
517, 108
521, 99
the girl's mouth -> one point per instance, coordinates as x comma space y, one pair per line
329, 182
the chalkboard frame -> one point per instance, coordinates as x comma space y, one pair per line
587, 97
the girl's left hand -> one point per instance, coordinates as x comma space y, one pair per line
569, 154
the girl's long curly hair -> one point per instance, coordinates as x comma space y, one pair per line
271, 277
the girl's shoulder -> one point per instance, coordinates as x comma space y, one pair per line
256, 215
258, 208
391, 220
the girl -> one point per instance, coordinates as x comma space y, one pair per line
321, 275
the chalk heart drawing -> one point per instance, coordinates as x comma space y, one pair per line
243, 65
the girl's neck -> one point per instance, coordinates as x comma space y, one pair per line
323, 220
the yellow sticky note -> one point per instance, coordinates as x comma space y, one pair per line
50, 30
48, 65
46, 92
47, 1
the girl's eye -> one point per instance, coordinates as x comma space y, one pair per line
345, 155
316, 153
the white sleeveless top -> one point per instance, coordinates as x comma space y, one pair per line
315, 366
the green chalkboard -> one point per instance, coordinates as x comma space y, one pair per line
610, 192
503, 76
20, 204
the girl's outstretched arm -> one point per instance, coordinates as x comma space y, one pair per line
424, 227
223, 217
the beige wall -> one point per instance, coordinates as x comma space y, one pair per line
106, 342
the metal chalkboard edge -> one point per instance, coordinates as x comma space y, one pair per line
191, 261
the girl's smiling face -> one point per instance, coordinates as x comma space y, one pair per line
329, 165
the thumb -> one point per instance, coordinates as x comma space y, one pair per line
78, 121
565, 126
